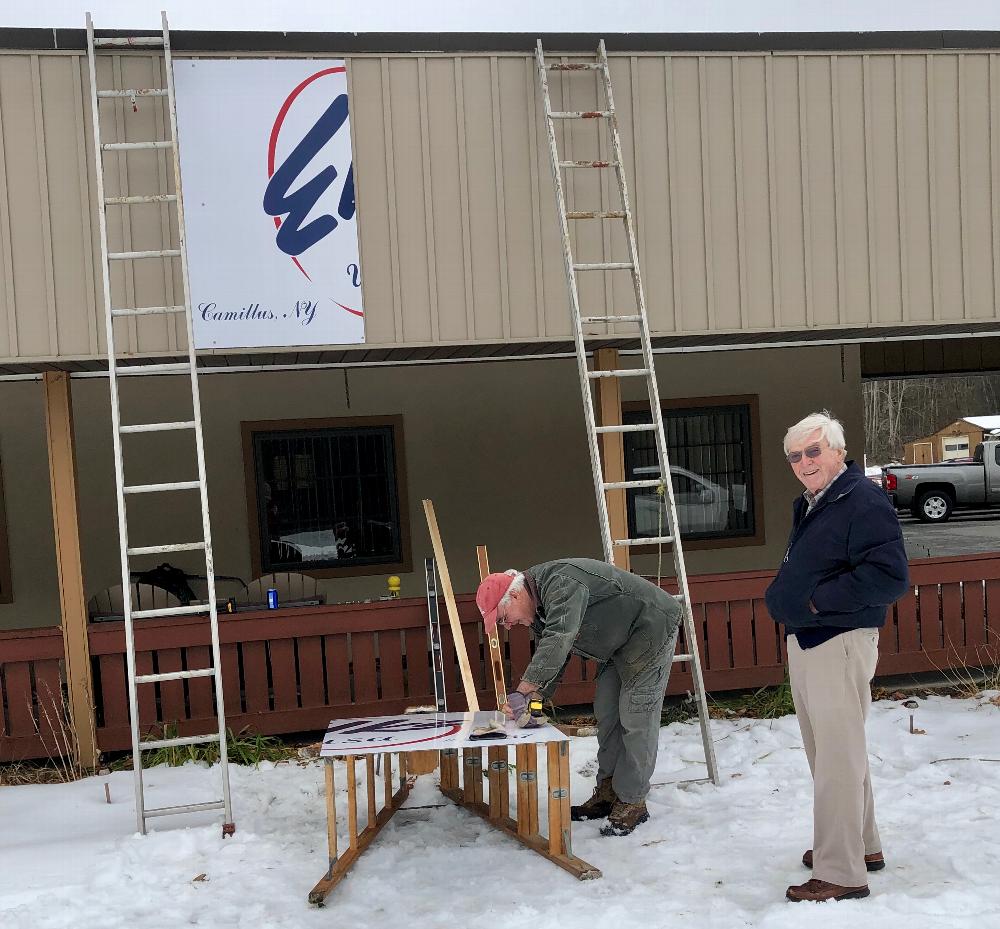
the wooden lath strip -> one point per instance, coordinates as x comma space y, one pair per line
468, 685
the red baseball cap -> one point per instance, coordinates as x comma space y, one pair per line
491, 591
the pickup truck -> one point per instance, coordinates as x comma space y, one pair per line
932, 492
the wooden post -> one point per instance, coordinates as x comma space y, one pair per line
608, 411
370, 784
499, 780
72, 599
527, 789
496, 655
472, 784
352, 802
449, 768
387, 777
331, 814
559, 814
449, 598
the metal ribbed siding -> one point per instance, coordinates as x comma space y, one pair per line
773, 192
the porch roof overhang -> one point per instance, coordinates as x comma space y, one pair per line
896, 351
355, 43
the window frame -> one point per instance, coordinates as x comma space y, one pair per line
752, 402
395, 423
6, 578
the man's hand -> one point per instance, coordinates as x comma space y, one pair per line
518, 708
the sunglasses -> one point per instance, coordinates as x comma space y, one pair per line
813, 451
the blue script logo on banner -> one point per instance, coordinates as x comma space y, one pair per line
289, 195
268, 181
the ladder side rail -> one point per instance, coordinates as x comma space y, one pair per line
198, 433
581, 349
680, 566
115, 434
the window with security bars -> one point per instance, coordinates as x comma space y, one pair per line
711, 463
328, 497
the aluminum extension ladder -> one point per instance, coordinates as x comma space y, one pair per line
647, 372
132, 432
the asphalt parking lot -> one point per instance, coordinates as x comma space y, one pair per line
968, 532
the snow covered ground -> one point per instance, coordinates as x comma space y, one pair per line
711, 857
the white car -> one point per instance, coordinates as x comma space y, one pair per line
702, 505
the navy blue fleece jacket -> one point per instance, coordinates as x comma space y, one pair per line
846, 556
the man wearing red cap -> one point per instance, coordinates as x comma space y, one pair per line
579, 606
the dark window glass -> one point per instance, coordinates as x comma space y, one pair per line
327, 498
710, 462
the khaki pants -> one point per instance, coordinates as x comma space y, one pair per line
830, 687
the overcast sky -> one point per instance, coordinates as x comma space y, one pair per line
514, 15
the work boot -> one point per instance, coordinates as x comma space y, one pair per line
624, 817
599, 804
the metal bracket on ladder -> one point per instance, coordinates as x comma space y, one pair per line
94, 46
607, 117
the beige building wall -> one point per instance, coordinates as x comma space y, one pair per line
773, 192
499, 446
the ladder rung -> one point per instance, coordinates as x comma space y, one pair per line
164, 368
119, 41
652, 540
155, 253
577, 114
596, 214
184, 808
178, 740
135, 146
173, 675
156, 427
610, 319
173, 547
631, 485
146, 310
637, 427
134, 92
161, 488
170, 611
586, 164
141, 198
680, 658
619, 372
584, 66
604, 266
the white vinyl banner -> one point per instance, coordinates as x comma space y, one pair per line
370, 735
268, 183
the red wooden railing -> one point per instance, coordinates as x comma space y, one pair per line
294, 670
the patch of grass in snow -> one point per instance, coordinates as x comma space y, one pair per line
764, 703
247, 748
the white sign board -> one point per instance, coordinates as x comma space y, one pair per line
424, 732
268, 183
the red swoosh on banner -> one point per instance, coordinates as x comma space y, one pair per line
430, 738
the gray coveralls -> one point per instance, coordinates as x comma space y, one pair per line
627, 624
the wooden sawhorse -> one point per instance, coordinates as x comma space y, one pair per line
462, 783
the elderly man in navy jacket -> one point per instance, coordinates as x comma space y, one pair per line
845, 564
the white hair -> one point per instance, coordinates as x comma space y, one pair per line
515, 585
829, 429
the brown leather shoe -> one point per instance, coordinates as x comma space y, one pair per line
820, 891
873, 862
